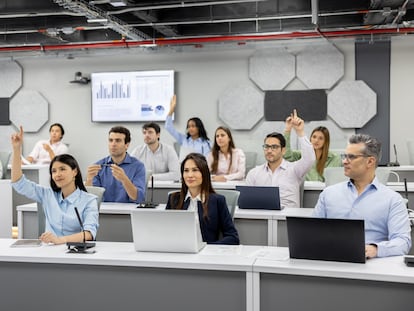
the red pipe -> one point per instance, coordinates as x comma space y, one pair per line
199, 40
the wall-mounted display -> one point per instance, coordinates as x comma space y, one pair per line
131, 96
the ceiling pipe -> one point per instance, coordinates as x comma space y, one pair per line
200, 40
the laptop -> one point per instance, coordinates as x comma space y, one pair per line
326, 239
174, 231
255, 197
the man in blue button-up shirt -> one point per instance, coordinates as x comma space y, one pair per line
122, 176
387, 226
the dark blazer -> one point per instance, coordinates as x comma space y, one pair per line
218, 227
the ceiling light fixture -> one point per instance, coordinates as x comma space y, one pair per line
97, 20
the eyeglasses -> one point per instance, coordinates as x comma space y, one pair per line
351, 157
273, 147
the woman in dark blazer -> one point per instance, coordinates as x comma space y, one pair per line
197, 193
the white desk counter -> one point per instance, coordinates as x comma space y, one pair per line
218, 278
379, 284
38, 173
117, 277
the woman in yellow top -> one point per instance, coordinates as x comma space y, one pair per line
324, 158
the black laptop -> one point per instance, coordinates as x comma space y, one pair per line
326, 239
255, 197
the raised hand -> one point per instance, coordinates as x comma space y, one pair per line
173, 104
17, 138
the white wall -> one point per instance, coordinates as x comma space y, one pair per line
201, 76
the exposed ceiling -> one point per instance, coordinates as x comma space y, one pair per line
71, 24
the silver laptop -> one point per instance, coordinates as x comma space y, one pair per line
174, 231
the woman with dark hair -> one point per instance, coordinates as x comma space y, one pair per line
320, 140
195, 139
225, 161
198, 194
66, 192
45, 150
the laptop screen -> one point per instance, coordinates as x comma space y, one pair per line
255, 197
176, 231
326, 239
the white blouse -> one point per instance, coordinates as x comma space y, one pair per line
238, 165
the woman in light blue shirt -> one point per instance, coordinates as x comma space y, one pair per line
66, 192
195, 140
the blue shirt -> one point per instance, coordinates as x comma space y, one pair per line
60, 213
383, 210
114, 190
199, 145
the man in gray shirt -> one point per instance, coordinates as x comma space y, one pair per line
159, 158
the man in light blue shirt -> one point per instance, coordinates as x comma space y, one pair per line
122, 176
387, 226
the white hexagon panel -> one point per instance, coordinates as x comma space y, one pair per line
29, 109
272, 69
10, 78
320, 67
241, 106
351, 104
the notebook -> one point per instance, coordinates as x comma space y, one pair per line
175, 231
326, 239
254, 197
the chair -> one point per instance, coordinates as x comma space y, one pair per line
4, 158
251, 158
177, 147
383, 174
334, 175
232, 198
98, 191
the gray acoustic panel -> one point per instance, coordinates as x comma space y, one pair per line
351, 104
272, 69
241, 106
320, 66
311, 104
29, 109
6, 132
10, 78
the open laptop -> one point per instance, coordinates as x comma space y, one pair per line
255, 197
174, 231
326, 239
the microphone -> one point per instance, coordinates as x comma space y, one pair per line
151, 203
80, 247
396, 159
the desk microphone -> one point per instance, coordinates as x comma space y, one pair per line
151, 203
80, 247
396, 159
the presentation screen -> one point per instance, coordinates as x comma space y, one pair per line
131, 96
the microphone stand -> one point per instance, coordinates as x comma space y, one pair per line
80, 247
151, 203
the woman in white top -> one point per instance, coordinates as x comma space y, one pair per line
45, 150
225, 161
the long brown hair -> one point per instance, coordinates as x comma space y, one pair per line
206, 187
216, 148
320, 163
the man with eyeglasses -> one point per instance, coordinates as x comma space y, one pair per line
387, 226
278, 172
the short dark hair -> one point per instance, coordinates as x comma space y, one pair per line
71, 161
58, 125
153, 125
278, 136
122, 130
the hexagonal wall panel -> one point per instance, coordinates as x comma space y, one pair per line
241, 106
320, 67
272, 69
29, 109
351, 104
10, 78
